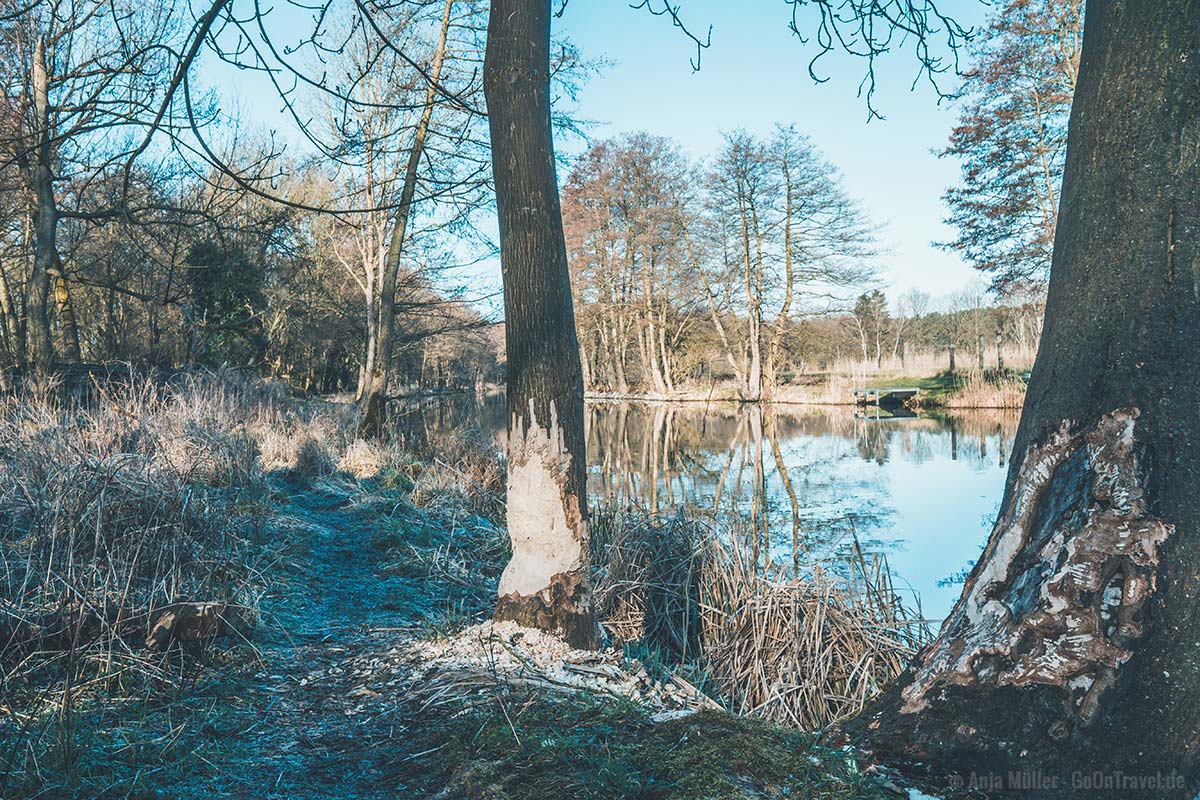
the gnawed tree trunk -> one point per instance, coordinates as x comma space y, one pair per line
72, 354
383, 312
545, 585
1074, 647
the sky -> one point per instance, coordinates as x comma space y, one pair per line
755, 74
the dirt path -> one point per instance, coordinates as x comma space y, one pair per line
289, 733
324, 711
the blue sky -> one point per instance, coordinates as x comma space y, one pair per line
756, 74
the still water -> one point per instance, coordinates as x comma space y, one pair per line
923, 490
804, 482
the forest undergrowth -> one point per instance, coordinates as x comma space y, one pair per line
214, 590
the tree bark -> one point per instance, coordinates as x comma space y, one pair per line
13, 340
45, 221
754, 376
545, 584
72, 353
1073, 647
789, 279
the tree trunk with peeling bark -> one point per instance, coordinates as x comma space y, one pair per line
545, 584
1074, 647
71, 352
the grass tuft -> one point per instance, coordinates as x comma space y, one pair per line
111, 512
805, 650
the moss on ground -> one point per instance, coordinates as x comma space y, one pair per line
547, 749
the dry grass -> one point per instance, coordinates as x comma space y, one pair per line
109, 513
987, 390
150, 495
121, 502
930, 362
804, 651
834, 388
465, 472
647, 580
835, 384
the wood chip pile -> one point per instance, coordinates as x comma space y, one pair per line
493, 657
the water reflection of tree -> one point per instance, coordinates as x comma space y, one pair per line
794, 485
421, 423
783, 479
650, 457
979, 439
793, 499
873, 439
727, 463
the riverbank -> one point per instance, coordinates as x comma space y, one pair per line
987, 389
348, 656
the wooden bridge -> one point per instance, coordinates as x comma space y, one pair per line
884, 397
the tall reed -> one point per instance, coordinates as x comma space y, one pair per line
800, 649
113, 510
987, 389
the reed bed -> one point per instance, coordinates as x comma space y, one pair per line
648, 574
803, 650
987, 389
977, 387
928, 361
808, 650
125, 518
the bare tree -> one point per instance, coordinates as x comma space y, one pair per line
742, 188
912, 305
786, 231
826, 243
622, 208
87, 83
870, 318
396, 184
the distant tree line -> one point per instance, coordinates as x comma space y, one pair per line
969, 324
752, 267
139, 224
